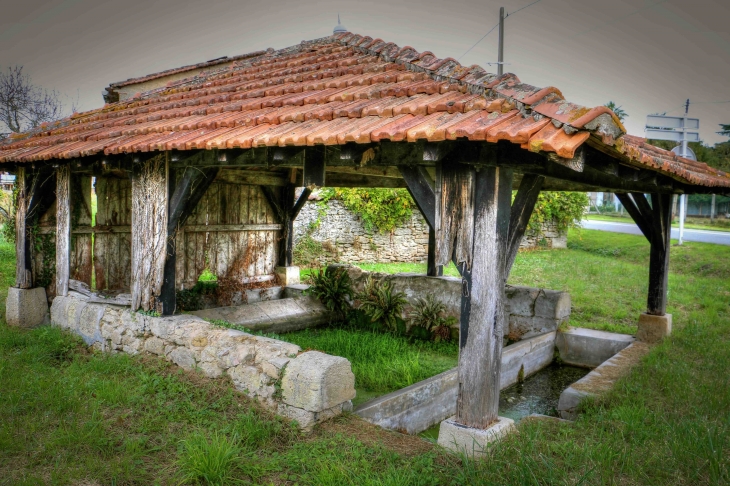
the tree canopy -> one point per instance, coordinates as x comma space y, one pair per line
618, 111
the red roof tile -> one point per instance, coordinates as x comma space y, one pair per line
340, 89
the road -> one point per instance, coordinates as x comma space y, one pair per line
704, 236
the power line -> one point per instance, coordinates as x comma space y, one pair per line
495, 26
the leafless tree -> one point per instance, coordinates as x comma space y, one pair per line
24, 105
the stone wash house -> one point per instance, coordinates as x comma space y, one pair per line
197, 168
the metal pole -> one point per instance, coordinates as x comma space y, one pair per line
683, 197
500, 55
712, 210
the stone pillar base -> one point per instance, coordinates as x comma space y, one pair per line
462, 439
653, 329
288, 275
26, 307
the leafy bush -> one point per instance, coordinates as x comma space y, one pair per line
428, 315
565, 209
381, 304
332, 286
383, 210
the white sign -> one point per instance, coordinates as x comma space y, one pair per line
675, 136
672, 122
690, 153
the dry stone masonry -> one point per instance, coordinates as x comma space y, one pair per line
314, 386
344, 235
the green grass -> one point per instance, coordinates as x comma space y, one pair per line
381, 362
74, 417
720, 224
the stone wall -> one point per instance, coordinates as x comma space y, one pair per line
344, 236
530, 311
314, 386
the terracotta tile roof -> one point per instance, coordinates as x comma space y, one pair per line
340, 89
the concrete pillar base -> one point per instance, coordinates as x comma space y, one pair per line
473, 442
26, 307
653, 329
288, 275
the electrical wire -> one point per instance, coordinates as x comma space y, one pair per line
495, 26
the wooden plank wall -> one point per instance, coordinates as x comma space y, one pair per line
232, 254
113, 245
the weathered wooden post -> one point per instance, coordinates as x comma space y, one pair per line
23, 263
655, 222
472, 226
149, 232
63, 228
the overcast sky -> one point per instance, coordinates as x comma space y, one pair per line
646, 55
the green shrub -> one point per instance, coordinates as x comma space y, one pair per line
565, 209
209, 461
428, 315
381, 210
332, 286
381, 304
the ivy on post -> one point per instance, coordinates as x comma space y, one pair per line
63, 228
23, 273
149, 232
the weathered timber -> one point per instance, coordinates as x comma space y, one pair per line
454, 215
23, 273
112, 233
185, 192
642, 220
421, 189
520, 214
94, 298
482, 319
432, 269
81, 258
251, 177
661, 211
338, 179
286, 244
314, 168
63, 228
379, 172
149, 232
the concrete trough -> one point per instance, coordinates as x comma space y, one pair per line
588, 347
416, 408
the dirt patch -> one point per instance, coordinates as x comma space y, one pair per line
371, 435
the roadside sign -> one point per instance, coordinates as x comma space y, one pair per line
672, 122
690, 153
675, 136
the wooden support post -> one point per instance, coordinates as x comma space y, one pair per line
23, 272
481, 355
63, 228
659, 256
642, 220
433, 270
472, 227
521, 211
186, 194
314, 168
149, 232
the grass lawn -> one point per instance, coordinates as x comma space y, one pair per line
74, 417
720, 224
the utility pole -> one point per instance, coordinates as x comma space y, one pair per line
500, 54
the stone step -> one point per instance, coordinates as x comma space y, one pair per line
276, 316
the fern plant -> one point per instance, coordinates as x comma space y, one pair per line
332, 286
428, 314
381, 304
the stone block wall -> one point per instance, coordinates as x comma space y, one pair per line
344, 235
314, 386
530, 311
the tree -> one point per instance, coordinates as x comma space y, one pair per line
618, 111
24, 105
725, 130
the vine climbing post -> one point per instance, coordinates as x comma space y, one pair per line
23, 273
63, 228
149, 232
